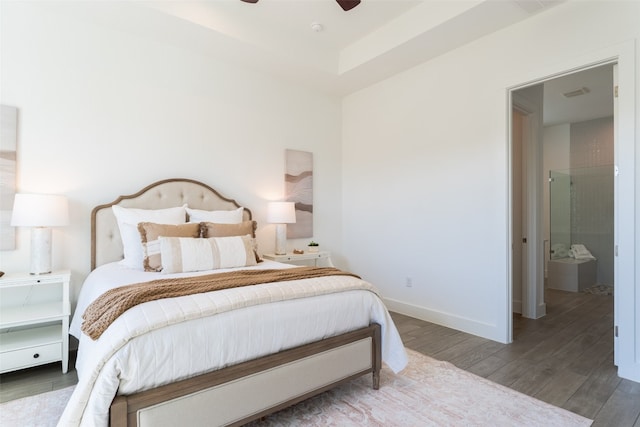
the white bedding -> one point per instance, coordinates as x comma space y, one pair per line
165, 348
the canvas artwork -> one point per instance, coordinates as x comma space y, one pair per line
8, 146
298, 180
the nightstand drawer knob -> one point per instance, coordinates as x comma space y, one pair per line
35, 356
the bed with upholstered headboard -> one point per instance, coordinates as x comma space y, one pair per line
106, 245
191, 369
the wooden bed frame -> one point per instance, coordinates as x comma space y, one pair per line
220, 397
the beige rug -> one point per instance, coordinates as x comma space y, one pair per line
427, 393
41, 410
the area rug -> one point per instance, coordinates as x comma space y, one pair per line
427, 393
41, 410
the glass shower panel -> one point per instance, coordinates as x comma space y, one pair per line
560, 213
581, 212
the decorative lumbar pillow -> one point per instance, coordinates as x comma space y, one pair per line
212, 229
181, 254
220, 217
128, 220
149, 234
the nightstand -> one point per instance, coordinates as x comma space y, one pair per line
34, 320
323, 256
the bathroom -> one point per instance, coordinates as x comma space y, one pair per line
578, 159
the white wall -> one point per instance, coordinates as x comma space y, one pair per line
104, 113
425, 165
556, 143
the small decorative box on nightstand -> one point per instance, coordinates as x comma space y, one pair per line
34, 320
323, 256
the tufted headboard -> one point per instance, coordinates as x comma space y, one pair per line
106, 244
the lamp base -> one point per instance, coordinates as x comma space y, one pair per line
281, 239
40, 251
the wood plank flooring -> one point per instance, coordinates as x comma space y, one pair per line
40, 379
565, 358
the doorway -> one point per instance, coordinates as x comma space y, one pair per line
561, 124
626, 302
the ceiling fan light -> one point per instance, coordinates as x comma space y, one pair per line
250, 1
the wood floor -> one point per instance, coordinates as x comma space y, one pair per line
27, 382
565, 358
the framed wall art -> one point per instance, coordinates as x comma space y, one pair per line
298, 179
8, 148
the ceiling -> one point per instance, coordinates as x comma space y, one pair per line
354, 49
596, 103
357, 48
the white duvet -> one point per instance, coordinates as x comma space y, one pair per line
163, 341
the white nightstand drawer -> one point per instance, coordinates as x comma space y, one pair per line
31, 356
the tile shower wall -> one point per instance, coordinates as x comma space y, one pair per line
591, 163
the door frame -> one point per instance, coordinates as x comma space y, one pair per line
627, 293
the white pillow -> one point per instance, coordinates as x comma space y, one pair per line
128, 219
184, 254
219, 217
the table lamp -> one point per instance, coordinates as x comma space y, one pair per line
281, 214
40, 212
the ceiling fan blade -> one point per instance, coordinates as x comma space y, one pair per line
344, 4
347, 4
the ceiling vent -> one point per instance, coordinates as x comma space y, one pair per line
576, 92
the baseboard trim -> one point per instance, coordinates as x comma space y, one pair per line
481, 329
542, 310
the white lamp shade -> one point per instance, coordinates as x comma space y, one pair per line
281, 212
40, 210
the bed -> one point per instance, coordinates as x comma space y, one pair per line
192, 359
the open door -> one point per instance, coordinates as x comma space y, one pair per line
627, 284
518, 246
616, 297
526, 203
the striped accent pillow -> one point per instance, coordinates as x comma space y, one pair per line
211, 229
181, 255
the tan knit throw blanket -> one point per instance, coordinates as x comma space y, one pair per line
106, 308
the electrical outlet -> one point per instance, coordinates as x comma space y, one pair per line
408, 282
